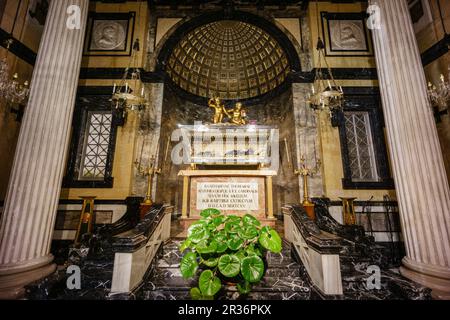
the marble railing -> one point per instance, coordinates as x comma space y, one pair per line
317, 249
134, 250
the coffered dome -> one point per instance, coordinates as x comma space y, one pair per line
229, 58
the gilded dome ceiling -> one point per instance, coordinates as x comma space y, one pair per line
228, 58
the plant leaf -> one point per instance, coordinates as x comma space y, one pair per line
196, 294
203, 247
189, 265
209, 212
244, 287
198, 232
240, 255
232, 227
235, 243
217, 221
252, 269
248, 233
186, 244
271, 241
221, 247
250, 220
208, 283
265, 229
221, 240
229, 265
233, 218
211, 262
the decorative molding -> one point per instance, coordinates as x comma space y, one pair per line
18, 48
97, 201
102, 73
338, 203
293, 77
298, 77
436, 51
95, 90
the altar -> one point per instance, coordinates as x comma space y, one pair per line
231, 168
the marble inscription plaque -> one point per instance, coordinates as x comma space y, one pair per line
228, 196
231, 195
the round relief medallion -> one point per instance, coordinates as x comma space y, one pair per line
108, 35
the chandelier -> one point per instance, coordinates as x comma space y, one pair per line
11, 90
129, 94
440, 95
325, 94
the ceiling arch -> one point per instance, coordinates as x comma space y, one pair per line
230, 59
239, 56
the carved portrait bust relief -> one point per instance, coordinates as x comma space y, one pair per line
347, 35
109, 35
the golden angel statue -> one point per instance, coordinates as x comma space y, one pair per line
219, 109
237, 115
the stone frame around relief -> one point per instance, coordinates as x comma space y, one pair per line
358, 40
101, 39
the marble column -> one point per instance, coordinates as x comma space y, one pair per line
34, 188
418, 167
306, 138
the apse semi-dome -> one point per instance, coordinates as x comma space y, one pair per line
230, 59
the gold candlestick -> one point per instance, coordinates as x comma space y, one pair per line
149, 172
348, 211
306, 172
86, 219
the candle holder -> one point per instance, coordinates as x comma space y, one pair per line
348, 211
149, 172
306, 172
86, 219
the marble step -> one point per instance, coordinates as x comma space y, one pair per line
282, 279
174, 244
229, 296
268, 284
288, 270
172, 259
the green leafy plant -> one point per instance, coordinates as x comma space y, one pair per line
228, 249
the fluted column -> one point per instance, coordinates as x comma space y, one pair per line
418, 167
31, 202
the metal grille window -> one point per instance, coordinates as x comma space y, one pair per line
96, 145
360, 147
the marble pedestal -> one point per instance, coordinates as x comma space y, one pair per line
236, 192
